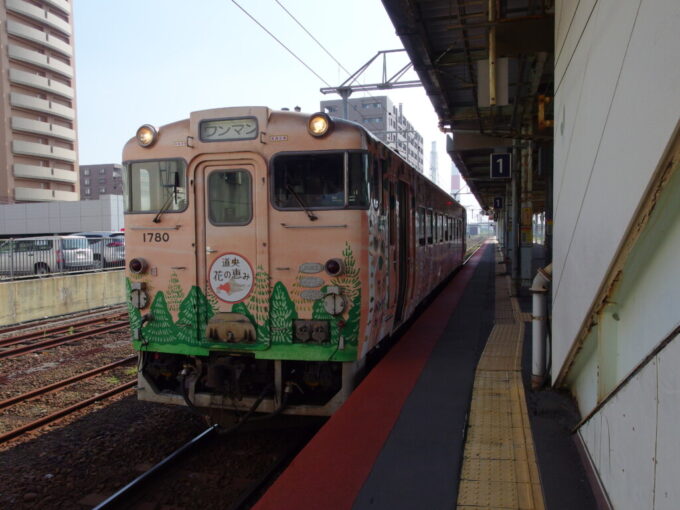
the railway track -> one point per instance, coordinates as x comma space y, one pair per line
61, 386
184, 467
49, 337
60, 320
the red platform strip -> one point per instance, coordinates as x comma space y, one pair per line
329, 472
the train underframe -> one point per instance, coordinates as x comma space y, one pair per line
242, 383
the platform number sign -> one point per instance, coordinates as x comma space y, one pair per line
498, 203
500, 166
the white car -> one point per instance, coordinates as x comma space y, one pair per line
43, 255
108, 247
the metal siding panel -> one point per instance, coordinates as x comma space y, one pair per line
622, 440
668, 447
641, 116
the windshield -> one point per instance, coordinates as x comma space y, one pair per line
154, 185
318, 181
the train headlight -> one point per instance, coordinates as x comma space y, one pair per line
319, 124
334, 267
138, 266
147, 135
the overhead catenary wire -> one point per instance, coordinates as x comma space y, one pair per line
299, 23
281, 43
310, 35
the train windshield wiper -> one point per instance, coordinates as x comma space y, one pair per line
168, 201
310, 214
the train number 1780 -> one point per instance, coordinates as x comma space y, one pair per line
155, 237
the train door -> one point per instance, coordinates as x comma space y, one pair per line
403, 215
232, 232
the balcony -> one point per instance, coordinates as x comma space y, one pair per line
40, 150
41, 105
40, 60
43, 195
38, 14
40, 83
44, 173
43, 128
18, 29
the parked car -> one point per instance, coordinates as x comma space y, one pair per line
108, 247
43, 255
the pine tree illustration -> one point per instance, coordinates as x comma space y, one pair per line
174, 293
135, 315
160, 329
349, 281
187, 321
282, 315
259, 301
214, 303
303, 305
351, 329
204, 311
351, 285
242, 308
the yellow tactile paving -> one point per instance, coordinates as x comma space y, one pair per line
499, 467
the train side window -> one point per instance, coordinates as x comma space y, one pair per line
420, 225
229, 197
385, 184
428, 226
376, 185
440, 228
357, 180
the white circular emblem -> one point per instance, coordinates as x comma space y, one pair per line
231, 277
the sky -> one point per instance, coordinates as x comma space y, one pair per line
156, 61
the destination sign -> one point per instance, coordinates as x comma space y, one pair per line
220, 130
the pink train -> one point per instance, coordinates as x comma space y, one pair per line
269, 252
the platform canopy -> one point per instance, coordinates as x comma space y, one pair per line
487, 66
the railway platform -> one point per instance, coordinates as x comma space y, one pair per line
446, 419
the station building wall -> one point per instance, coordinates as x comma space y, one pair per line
617, 234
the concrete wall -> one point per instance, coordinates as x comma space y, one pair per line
617, 104
62, 217
25, 300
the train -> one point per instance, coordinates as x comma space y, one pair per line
269, 252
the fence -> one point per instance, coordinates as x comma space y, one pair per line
44, 256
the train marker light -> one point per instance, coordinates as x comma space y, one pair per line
319, 124
138, 266
147, 135
334, 267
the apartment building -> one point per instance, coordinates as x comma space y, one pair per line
39, 160
96, 180
386, 121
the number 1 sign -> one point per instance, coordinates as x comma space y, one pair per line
500, 166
